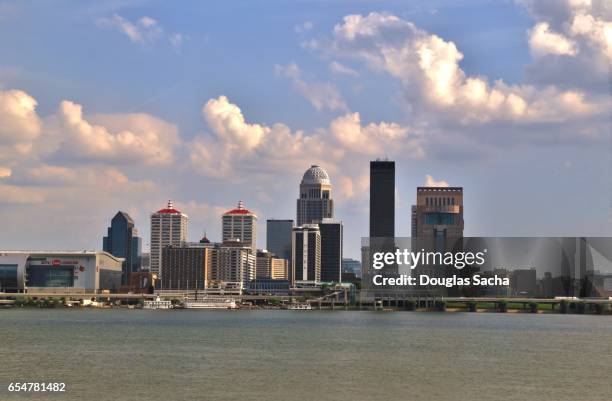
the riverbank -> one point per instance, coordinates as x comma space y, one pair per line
488, 306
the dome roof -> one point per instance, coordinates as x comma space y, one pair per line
316, 175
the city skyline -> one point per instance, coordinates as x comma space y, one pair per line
509, 101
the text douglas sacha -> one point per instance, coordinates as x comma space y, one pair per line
425, 280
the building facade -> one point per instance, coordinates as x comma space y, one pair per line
240, 224
306, 254
186, 267
382, 199
438, 214
278, 237
351, 266
85, 271
331, 250
232, 265
123, 242
168, 227
270, 267
315, 202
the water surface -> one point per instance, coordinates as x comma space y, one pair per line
307, 355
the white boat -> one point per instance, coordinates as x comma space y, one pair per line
211, 303
300, 306
157, 304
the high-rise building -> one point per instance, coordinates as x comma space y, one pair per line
278, 237
306, 254
168, 227
315, 202
240, 224
186, 267
438, 214
232, 264
122, 241
270, 267
382, 199
331, 250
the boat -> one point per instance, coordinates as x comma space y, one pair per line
157, 303
210, 303
299, 306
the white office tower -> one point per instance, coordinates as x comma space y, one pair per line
240, 224
168, 227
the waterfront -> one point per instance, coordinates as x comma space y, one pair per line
282, 355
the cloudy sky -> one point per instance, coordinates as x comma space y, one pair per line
126, 104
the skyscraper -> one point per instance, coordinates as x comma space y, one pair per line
186, 266
233, 264
278, 237
331, 250
122, 241
306, 254
382, 199
438, 213
315, 202
240, 224
168, 227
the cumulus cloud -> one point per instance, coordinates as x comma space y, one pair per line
571, 40
431, 182
19, 122
240, 149
542, 41
125, 138
373, 139
322, 95
429, 68
143, 30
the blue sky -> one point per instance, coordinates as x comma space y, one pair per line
536, 161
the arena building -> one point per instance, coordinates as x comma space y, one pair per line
86, 271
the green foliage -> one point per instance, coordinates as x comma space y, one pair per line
502, 306
22, 301
274, 301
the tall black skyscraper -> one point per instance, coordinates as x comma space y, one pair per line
331, 250
278, 237
122, 241
382, 199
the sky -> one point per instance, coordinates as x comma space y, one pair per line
123, 105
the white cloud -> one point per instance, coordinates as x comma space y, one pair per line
240, 150
144, 30
322, 95
428, 66
431, 182
581, 29
542, 41
373, 139
125, 138
19, 122
338, 68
